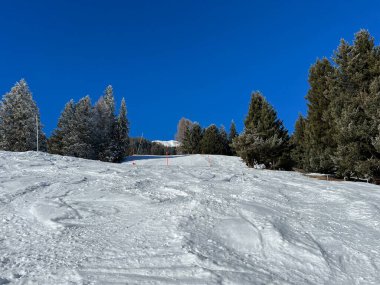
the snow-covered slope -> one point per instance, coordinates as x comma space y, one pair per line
200, 220
171, 143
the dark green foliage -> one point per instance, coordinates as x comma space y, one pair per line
355, 108
186, 142
146, 147
298, 143
319, 143
18, 115
233, 134
196, 135
212, 142
264, 140
225, 150
191, 143
66, 122
341, 132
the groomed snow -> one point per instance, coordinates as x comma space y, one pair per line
199, 220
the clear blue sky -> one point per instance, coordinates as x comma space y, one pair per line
197, 59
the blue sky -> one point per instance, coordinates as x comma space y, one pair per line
169, 59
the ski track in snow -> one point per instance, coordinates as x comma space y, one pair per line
72, 221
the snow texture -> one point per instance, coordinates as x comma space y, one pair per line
199, 220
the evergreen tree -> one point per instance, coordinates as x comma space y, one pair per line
105, 125
353, 109
19, 115
186, 146
298, 143
226, 150
79, 141
231, 136
264, 140
56, 143
195, 138
121, 140
211, 141
318, 141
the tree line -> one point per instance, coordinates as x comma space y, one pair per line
341, 131
84, 130
195, 139
339, 135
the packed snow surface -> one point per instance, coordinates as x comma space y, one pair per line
198, 220
171, 143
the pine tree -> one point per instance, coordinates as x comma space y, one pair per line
196, 135
105, 124
297, 141
186, 146
319, 144
231, 136
19, 115
226, 150
211, 141
57, 141
121, 141
264, 140
79, 141
357, 69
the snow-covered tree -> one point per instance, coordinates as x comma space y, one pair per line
58, 142
19, 117
104, 117
119, 140
79, 141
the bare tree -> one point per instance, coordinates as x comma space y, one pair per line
183, 124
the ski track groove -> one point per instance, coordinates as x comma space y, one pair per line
71, 221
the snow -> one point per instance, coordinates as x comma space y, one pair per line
200, 220
171, 143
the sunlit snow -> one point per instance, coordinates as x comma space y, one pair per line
198, 220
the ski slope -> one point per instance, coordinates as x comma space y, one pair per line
199, 220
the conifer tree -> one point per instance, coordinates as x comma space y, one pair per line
105, 124
57, 143
231, 136
297, 141
19, 115
357, 69
264, 140
79, 141
318, 141
121, 140
226, 150
196, 135
211, 141
186, 146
